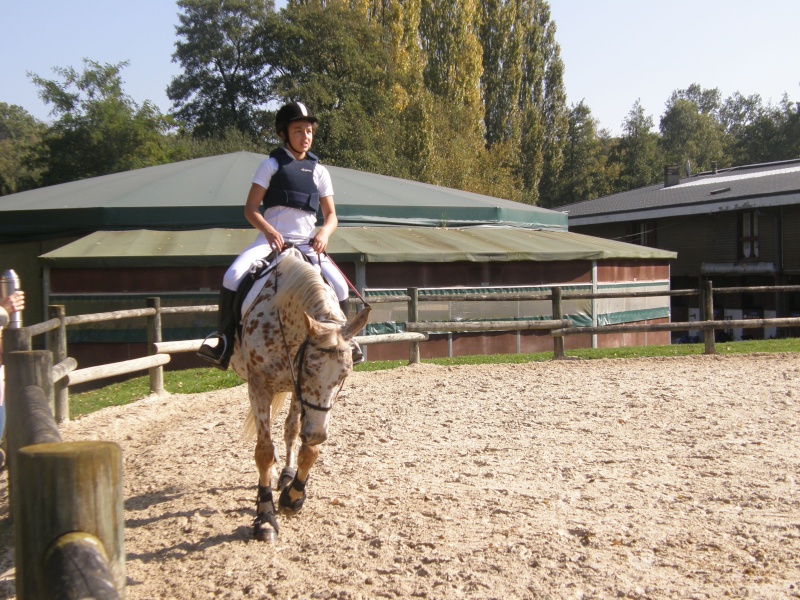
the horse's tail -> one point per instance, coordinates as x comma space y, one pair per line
249, 427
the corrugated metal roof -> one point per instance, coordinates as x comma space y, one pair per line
210, 192
149, 248
729, 189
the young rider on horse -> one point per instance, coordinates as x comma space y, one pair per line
292, 186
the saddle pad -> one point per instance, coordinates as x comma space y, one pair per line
258, 285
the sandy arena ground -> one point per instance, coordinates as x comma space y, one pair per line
648, 478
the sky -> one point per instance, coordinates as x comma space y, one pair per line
615, 52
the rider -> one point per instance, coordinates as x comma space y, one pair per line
292, 186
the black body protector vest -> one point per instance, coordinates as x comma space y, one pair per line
293, 184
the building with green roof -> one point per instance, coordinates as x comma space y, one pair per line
172, 230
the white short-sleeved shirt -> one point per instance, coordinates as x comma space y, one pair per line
295, 225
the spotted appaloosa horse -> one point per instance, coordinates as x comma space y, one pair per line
295, 343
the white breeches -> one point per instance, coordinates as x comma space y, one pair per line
260, 249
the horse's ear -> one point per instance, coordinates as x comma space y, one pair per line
312, 325
357, 324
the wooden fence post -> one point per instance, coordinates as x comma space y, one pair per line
153, 338
558, 341
708, 310
413, 317
57, 342
23, 368
16, 339
77, 488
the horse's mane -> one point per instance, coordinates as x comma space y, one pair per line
300, 283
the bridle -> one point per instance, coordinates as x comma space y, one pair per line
297, 378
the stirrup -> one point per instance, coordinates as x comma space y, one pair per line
213, 354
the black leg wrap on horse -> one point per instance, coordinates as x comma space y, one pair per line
264, 494
287, 476
266, 517
285, 501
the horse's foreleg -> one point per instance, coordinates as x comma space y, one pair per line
291, 431
265, 526
293, 496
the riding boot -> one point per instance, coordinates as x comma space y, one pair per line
358, 354
220, 354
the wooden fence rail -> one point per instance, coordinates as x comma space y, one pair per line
79, 547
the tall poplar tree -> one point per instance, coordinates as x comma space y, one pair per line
525, 107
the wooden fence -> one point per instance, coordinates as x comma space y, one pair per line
78, 549
66, 500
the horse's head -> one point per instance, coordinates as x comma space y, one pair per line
323, 363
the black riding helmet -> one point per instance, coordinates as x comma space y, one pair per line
293, 111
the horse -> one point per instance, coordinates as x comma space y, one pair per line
294, 343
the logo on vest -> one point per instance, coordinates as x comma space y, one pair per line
307, 170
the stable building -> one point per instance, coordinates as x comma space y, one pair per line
170, 231
737, 227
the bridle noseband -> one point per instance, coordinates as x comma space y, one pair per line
297, 379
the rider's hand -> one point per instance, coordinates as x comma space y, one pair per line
275, 240
319, 242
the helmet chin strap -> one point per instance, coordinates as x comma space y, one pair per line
286, 143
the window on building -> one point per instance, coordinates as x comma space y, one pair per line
643, 233
748, 234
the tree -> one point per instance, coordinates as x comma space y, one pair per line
758, 133
638, 153
336, 64
449, 37
582, 176
501, 39
543, 99
223, 83
691, 131
20, 133
99, 129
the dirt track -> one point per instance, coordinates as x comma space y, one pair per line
649, 478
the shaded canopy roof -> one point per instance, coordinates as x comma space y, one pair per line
146, 248
205, 193
752, 186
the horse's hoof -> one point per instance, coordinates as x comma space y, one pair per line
286, 503
286, 478
265, 534
265, 527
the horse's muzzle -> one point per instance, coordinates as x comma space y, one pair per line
313, 438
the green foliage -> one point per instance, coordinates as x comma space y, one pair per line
583, 174
467, 94
691, 131
223, 83
20, 133
336, 64
99, 129
638, 151
184, 146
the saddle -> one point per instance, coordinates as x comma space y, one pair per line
254, 281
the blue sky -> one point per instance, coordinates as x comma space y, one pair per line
615, 51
